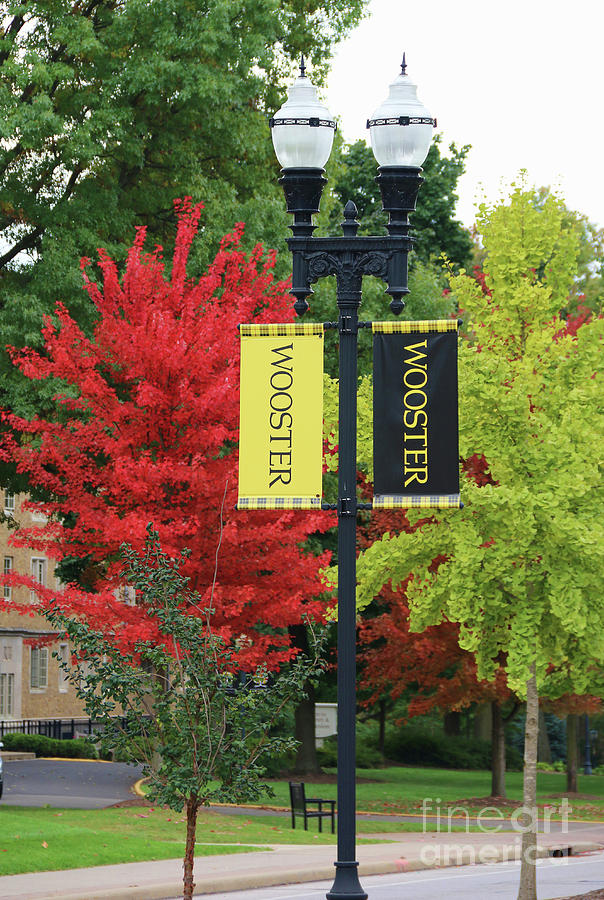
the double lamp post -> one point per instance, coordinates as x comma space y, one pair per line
302, 131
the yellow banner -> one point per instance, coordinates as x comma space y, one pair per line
281, 416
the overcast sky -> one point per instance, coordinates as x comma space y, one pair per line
522, 81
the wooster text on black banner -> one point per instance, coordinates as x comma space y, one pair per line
415, 427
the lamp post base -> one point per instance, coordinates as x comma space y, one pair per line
346, 885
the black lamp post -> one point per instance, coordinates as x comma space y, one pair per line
302, 131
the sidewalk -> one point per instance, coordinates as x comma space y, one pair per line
286, 864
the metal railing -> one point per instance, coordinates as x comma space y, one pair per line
61, 729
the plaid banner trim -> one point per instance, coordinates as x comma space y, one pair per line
418, 501
281, 329
412, 327
279, 503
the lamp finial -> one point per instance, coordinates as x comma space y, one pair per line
404, 65
302, 66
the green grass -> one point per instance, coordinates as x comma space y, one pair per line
35, 840
399, 789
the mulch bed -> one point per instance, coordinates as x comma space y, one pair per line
593, 895
505, 802
132, 801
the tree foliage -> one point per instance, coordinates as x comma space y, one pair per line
435, 227
111, 108
530, 402
145, 429
179, 705
430, 668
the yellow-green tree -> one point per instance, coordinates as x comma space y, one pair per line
524, 557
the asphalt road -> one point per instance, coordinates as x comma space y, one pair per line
555, 878
71, 784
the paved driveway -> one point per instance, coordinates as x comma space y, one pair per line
72, 784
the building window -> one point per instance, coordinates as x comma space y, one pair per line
9, 503
8, 568
7, 695
125, 593
64, 656
38, 572
38, 675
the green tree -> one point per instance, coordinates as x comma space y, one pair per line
522, 562
179, 705
435, 227
588, 288
351, 175
111, 108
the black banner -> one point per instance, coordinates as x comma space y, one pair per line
415, 428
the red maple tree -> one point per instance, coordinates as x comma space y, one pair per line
145, 430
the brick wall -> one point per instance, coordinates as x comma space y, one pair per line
46, 697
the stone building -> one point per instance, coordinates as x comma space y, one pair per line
32, 684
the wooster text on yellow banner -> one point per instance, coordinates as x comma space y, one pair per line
281, 416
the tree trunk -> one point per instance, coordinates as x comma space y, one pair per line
572, 752
528, 869
191, 806
544, 752
497, 752
382, 721
306, 756
483, 725
452, 723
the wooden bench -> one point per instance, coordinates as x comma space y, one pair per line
299, 806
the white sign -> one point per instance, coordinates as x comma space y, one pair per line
326, 721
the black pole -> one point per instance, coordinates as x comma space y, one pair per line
346, 883
348, 258
587, 765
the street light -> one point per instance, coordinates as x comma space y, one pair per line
302, 132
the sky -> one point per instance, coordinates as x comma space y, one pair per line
521, 82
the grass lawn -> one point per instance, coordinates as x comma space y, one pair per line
400, 789
36, 840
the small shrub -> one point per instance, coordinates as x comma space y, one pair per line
45, 746
368, 757
558, 766
413, 745
327, 755
276, 765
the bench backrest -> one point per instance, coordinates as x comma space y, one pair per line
297, 796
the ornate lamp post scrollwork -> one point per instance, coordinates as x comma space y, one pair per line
302, 132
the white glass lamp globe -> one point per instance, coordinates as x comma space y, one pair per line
302, 130
401, 128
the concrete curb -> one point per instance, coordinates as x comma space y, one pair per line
8, 755
137, 789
